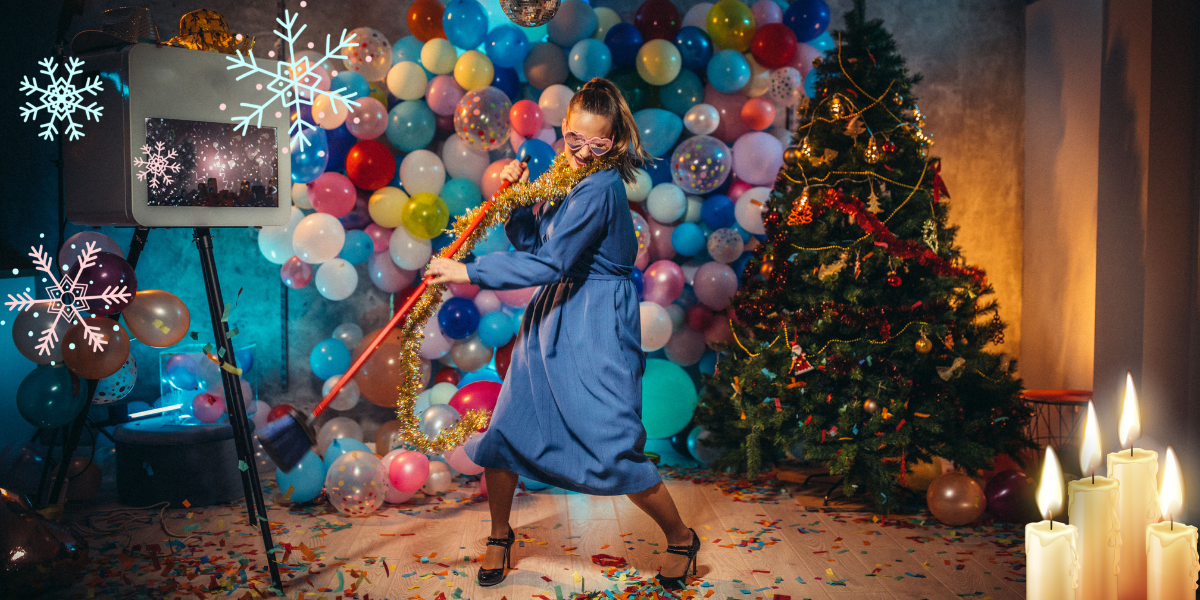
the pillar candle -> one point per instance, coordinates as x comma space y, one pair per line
1172, 564
1092, 509
1137, 509
1052, 561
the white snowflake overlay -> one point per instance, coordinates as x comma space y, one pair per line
293, 83
61, 99
156, 164
68, 298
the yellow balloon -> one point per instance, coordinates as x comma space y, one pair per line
425, 215
328, 112
379, 92
731, 25
605, 19
474, 70
760, 78
658, 62
406, 80
438, 56
386, 206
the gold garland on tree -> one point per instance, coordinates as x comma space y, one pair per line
552, 186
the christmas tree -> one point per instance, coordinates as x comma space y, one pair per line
859, 330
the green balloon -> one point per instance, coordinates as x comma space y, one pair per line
47, 398
638, 94
425, 215
668, 398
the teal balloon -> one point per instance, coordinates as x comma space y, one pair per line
47, 397
506, 46
728, 71
589, 59
531, 484
406, 48
341, 446
465, 23
460, 196
357, 250
495, 329
309, 162
356, 85
684, 92
668, 398
659, 129
411, 125
495, 241
305, 480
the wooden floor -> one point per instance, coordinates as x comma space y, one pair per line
759, 540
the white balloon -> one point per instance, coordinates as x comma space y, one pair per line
463, 162
336, 279
640, 188
666, 203
656, 326
346, 398
487, 301
749, 209
702, 119
442, 393
300, 197
406, 80
318, 238
328, 112
335, 429
553, 102
440, 480
422, 171
757, 158
349, 333
435, 344
697, 16
275, 242
408, 251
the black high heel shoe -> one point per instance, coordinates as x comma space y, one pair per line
679, 583
490, 577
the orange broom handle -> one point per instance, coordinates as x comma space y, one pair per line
408, 304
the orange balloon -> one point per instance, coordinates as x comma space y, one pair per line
83, 360
157, 318
425, 20
383, 436
380, 377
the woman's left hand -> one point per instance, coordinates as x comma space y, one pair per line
445, 270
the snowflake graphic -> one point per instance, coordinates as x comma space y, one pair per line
293, 83
156, 164
61, 98
67, 298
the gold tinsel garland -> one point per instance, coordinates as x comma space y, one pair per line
552, 186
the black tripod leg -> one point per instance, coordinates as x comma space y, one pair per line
235, 405
71, 442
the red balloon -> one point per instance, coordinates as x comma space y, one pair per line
370, 165
278, 411
658, 20
758, 113
447, 375
525, 118
699, 317
477, 395
774, 45
504, 357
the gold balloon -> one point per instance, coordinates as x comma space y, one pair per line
85, 361
384, 436
380, 377
157, 318
955, 499
921, 474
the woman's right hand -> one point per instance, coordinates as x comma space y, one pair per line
515, 171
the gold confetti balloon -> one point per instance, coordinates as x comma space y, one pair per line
530, 13
481, 119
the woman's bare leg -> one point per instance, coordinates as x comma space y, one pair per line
656, 502
501, 484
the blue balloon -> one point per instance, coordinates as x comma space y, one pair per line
810, 84
356, 85
308, 163
695, 47
340, 142
305, 480
684, 92
541, 155
495, 329
589, 59
358, 247
623, 40
808, 18
639, 282
484, 374
458, 318
341, 446
718, 211
746, 235
244, 358
461, 194
495, 241
441, 241
411, 125
507, 81
659, 170
329, 357
739, 265
708, 362
659, 128
506, 46
517, 315
728, 71
407, 48
465, 23
823, 42
687, 239
183, 376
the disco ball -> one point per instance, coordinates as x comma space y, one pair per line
530, 13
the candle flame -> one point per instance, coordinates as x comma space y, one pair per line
1170, 491
1089, 453
1130, 425
1050, 488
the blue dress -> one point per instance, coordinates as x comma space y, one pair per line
569, 412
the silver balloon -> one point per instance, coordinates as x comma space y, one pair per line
438, 417
530, 13
702, 453
440, 479
471, 354
349, 333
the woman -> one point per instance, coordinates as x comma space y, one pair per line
569, 413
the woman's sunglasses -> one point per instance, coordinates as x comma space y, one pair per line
597, 145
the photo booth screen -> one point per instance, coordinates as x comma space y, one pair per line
216, 166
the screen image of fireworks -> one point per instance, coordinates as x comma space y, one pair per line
213, 165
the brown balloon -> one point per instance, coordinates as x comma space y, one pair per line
35, 553
383, 437
27, 330
83, 479
955, 499
380, 377
148, 306
83, 360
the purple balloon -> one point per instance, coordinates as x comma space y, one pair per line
386, 275
442, 94
358, 217
715, 284
1011, 496
69, 253
663, 282
107, 272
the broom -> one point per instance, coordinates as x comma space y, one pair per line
288, 438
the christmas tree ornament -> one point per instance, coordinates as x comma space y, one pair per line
801, 211
872, 154
893, 279
855, 127
929, 231
873, 206
835, 107
949, 341
870, 406
997, 333
800, 364
888, 146
923, 345
792, 156
947, 372
530, 13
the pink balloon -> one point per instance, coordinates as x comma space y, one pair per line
805, 54
766, 11
442, 94
719, 332
333, 194
715, 284
476, 395
515, 140
757, 157
316, 77
664, 282
295, 273
686, 346
408, 472
729, 106
546, 134
487, 301
558, 145
380, 236
491, 177
458, 460
525, 117
643, 259
516, 298
434, 344
394, 496
76, 244
738, 188
207, 408
660, 242
369, 120
386, 275
464, 290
